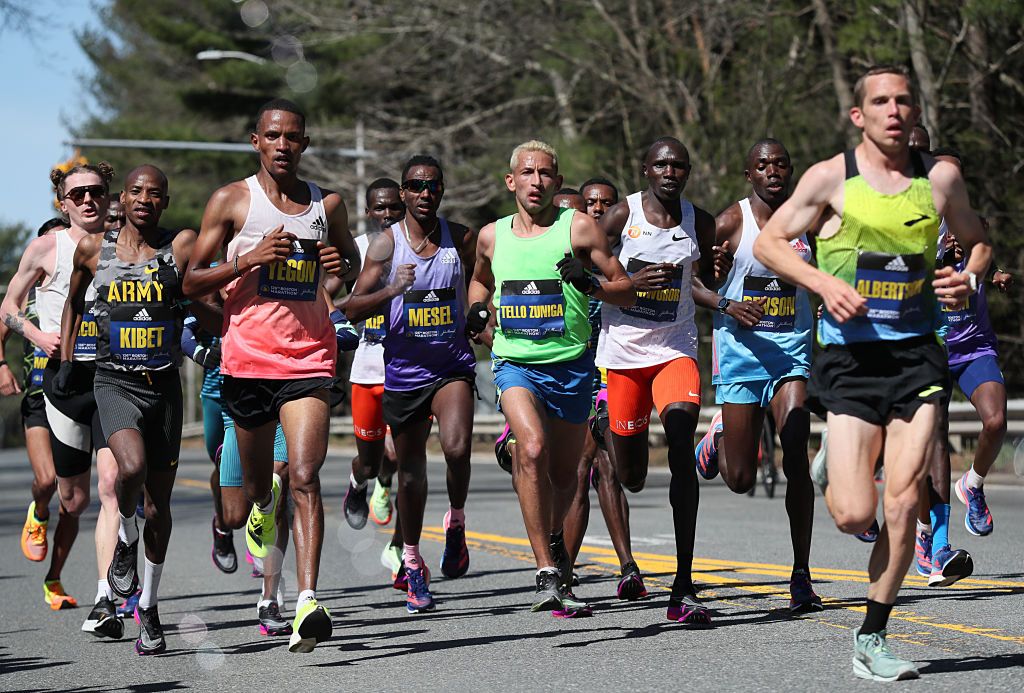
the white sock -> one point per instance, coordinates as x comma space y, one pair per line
129, 530
974, 480
355, 484
103, 590
150, 584
922, 527
263, 602
304, 596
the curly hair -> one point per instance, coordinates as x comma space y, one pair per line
104, 170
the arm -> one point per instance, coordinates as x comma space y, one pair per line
370, 292
728, 233
81, 276
465, 241
951, 287
30, 272
707, 269
8, 383
592, 242
481, 286
341, 239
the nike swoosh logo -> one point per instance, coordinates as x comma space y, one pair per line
693, 394
677, 238
929, 391
923, 217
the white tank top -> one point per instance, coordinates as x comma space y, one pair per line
52, 294
368, 361
660, 327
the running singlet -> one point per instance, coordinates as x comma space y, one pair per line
782, 339
139, 322
660, 326
35, 359
885, 248
53, 293
368, 361
540, 320
426, 338
277, 325
970, 333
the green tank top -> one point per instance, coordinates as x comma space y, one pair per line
884, 248
540, 320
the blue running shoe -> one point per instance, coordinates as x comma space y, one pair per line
978, 519
870, 535
706, 451
455, 557
418, 597
802, 598
923, 553
949, 566
128, 608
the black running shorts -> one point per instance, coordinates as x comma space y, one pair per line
879, 381
405, 407
254, 402
74, 422
33, 411
149, 403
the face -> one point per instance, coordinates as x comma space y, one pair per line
770, 172
115, 215
422, 190
85, 200
888, 113
534, 181
920, 140
386, 207
569, 201
598, 199
280, 139
144, 199
667, 169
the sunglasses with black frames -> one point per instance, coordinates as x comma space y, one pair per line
418, 185
77, 195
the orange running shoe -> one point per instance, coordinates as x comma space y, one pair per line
56, 597
33, 536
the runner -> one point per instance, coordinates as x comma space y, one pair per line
114, 218
429, 367
569, 198
650, 349
134, 272
764, 366
882, 377
537, 259
74, 423
279, 349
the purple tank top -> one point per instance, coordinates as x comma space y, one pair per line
970, 330
426, 338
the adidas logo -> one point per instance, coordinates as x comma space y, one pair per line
142, 315
318, 225
296, 246
897, 265
449, 258
431, 298
773, 285
531, 288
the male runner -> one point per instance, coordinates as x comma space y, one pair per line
83, 194
569, 198
882, 376
279, 347
534, 263
429, 367
765, 365
114, 218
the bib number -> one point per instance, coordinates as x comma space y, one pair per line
892, 285
373, 328
85, 341
778, 299
656, 306
142, 336
429, 314
39, 360
296, 278
958, 317
532, 308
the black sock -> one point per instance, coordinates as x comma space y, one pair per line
556, 537
876, 618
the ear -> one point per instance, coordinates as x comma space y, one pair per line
120, 198
746, 174
254, 140
857, 117
558, 185
305, 142
166, 201
510, 182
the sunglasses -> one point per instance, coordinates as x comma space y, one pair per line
417, 185
77, 195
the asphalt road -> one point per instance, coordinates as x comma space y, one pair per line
483, 637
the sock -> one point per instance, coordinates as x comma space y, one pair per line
263, 602
556, 537
385, 484
103, 590
150, 584
974, 480
411, 556
355, 484
129, 531
304, 596
455, 517
876, 618
35, 514
940, 525
270, 503
922, 527
218, 531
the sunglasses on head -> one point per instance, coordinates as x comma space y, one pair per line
417, 185
77, 195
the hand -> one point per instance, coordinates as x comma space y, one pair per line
841, 300
405, 275
575, 274
746, 313
170, 280
8, 383
653, 277
952, 288
477, 319
207, 357
331, 260
62, 381
276, 246
723, 261
50, 343
1002, 280
345, 332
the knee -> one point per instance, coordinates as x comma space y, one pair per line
995, 424
235, 515
740, 478
853, 520
74, 501
634, 480
157, 514
105, 484
533, 449
131, 470
457, 452
304, 480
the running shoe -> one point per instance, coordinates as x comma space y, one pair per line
391, 558
380, 504
631, 583
949, 566
706, 451
261, 529
103, 622
873, 660
819, 466
688, 610
548, 596
257, 565
56, 597
312, 625
502, 449
869, 535
923, 553
33, 536
572, 607
455, 557
978, 519
401, 580
418, 598
127, 608
802, 599
151, 634
355, 506
561, 558
223, 553
271, 622
123, 572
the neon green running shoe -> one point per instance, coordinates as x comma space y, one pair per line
873, 660
312, 625
261, 529
380, 504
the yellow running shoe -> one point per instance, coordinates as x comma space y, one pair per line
56, 597
261, 529
380, 504
33, 536
312, 625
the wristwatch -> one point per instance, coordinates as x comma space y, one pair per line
723, 305
973, 280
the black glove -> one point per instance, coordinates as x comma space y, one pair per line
167, 275
62, 381
207, 357
573, 272
476, 319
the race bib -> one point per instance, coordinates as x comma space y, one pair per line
430, 314
958, 317
39, 359
142, 336
85, 341
892, 285
296, 278
778, 299
532, 308
657, 306
373, 328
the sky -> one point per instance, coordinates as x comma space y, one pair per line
42, 93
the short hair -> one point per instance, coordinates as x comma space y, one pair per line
532, 146
858, 88
666, 139
381, 184
765, 142
161, 176
597, 180
422, 160
58, 176
50, 225
567, 191
280, 105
